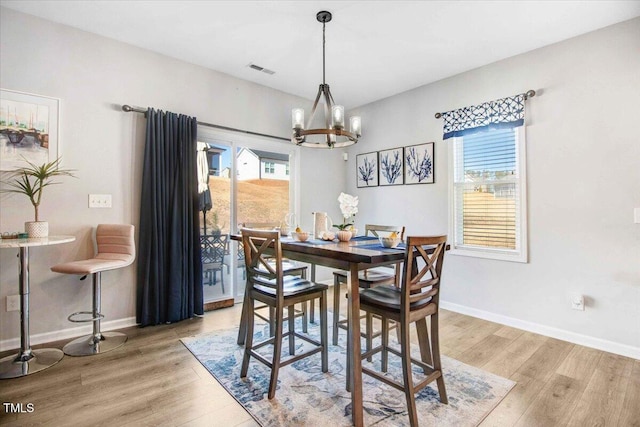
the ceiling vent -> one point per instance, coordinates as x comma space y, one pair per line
259, 68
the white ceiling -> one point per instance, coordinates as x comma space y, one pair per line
374, 49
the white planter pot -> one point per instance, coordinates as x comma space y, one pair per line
344, 235
37, 228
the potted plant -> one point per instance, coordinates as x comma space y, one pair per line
31, 180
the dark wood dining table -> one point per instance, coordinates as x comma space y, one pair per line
357, 254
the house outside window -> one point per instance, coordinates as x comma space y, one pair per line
488, 195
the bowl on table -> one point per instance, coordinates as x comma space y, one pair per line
300, 236
390, 242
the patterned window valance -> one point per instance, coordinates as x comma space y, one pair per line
501, 113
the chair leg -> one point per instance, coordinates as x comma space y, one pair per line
336, 308
305, 319
291, 321
244, 319
437, 365
248, 337
423, 341
405, 346
271, 321
324, 339
222, 279
277, 351
384, 362
98, 341
369, 334
312, 306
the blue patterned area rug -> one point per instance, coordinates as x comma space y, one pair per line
307, 397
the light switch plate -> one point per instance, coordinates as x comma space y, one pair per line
636, 215
99, 200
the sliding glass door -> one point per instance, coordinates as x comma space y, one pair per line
252, 182
215, 224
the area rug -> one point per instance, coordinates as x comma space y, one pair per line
307, 397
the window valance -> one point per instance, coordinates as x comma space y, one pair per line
501, 113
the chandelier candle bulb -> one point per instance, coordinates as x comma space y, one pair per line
355, 125
337, 116
297, 118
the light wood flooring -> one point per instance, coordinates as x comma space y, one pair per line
153, 380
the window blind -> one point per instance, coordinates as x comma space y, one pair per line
487, 190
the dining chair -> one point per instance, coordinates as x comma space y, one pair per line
115, 249
267, 284
290, 268
367, 279
413, 301
213, 250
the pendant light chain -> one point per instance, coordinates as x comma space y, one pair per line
323, 58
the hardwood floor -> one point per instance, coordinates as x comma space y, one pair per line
153, 380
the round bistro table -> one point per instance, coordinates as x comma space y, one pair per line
28, 361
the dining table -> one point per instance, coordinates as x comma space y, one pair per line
359, 253
28, 361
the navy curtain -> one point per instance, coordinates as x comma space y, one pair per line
169, 267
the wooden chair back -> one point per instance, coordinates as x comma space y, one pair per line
260, 266
420, 282
261, 225
374, 230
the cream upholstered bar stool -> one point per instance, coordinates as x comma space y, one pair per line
115, 249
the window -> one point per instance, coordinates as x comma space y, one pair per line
269, 167
488, 194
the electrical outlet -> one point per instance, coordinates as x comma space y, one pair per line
577, 302
99, 200
13, 302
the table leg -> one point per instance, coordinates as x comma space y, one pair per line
353, 345
27, 361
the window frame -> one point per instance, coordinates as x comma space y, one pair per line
517, 255
269, 167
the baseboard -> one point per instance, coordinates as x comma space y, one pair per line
561, 334
64, 334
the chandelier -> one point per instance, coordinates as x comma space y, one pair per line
334, 133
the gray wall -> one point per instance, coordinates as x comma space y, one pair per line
583, 171
583, 165
93, 76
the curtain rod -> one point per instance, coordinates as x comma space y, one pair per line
130, 109
528, 94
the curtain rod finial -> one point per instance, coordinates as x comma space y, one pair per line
438, 115
530, 94
127, 108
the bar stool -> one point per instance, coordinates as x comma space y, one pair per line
116, 249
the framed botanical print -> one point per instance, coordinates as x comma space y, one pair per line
419, 164
391, 166
28, 129
367, 170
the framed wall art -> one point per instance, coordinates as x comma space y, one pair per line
367, 170
28, 129
391, 170
419, 164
